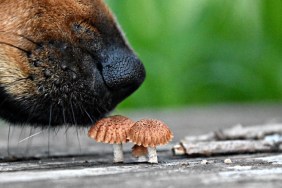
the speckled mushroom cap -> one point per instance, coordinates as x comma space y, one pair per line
150, 133
113, 130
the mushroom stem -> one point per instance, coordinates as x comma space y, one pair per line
142, 159
118, 154
152, 155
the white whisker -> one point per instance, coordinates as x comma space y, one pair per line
30, 136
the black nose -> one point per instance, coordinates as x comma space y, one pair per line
122, 70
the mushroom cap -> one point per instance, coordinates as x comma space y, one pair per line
113, 129
150, 133
138, 151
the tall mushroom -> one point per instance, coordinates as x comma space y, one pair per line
150, 133
112, 130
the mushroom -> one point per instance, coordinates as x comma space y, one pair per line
112, 130
150, 133
140, 152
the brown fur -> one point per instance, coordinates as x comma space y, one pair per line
40, 23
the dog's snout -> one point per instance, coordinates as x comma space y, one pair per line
123, 71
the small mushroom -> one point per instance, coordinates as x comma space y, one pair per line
112, 130
140, 152
150, 133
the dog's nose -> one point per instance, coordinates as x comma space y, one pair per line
123, 71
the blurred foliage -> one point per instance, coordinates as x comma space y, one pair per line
203, 51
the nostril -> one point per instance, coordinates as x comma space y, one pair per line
126, 72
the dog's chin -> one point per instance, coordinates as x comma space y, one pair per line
47, 113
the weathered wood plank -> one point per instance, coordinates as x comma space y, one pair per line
229, 147
174, 172
238, 139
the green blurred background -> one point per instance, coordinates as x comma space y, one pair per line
204, 51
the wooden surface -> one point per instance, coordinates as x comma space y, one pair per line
71, 159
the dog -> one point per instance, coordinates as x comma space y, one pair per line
63, 62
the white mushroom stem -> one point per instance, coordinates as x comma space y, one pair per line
152, 155
142, 159
118, 154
